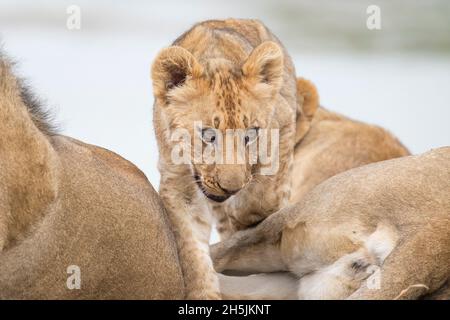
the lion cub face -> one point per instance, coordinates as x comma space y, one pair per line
224, 106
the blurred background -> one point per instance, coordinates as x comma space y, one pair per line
97, 78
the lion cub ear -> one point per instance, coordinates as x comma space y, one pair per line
307, 104
171, 68
308, 97
265, 65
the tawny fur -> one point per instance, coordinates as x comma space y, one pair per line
326, 143
394, 215
63, 203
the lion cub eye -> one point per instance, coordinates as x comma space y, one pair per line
209, 135
251, 135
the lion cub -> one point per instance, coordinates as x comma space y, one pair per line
221, 76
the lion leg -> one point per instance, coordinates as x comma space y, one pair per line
264, 286
418, 266
337, 280
242, 260
254, 250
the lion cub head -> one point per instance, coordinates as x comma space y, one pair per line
224, 105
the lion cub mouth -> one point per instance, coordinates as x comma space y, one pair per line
210, 196
214, 197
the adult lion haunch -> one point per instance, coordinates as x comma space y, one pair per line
65, 203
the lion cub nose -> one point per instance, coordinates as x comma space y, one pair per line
231, 178
231, 186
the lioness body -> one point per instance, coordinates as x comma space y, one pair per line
393, 215
66, 206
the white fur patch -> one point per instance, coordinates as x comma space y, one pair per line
335, 281
341, 278
381, 243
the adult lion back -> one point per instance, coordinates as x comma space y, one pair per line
76, 221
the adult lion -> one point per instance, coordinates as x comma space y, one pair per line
390, 219
66, 206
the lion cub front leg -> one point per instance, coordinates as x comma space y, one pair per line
192, 228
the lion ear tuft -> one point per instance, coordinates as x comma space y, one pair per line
171, 68
308, 97
266, 64
307, 104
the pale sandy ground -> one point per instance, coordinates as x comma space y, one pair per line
97, 78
